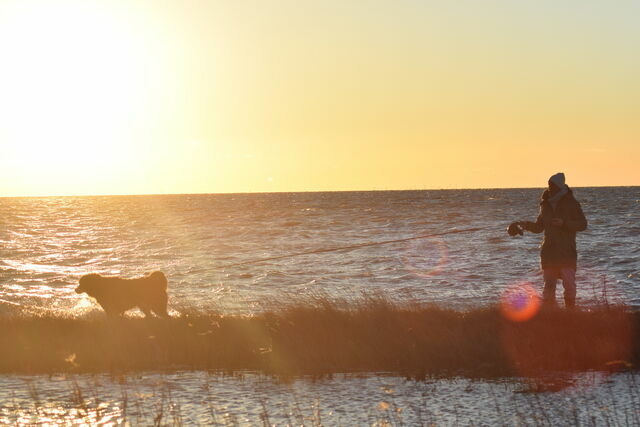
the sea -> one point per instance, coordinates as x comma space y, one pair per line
243, 254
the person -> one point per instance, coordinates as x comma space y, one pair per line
560, 218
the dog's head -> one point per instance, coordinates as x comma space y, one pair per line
88, 284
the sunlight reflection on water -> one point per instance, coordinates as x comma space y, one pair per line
200, 398
48, 243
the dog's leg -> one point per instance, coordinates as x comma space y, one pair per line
161, 311
159, 306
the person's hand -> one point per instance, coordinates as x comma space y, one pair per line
515, 229
558, 222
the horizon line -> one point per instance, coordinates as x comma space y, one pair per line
35, 196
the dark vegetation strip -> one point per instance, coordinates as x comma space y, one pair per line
324, 337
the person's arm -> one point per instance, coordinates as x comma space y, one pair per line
577, 221
534, 227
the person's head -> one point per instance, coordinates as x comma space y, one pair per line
556, 183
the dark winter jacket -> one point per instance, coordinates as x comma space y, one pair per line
559, 244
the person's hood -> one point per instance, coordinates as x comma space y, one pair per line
558, 180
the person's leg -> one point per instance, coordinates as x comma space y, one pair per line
568, 275
550, 280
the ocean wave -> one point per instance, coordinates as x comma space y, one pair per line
190, 238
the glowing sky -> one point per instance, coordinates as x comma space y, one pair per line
131, 97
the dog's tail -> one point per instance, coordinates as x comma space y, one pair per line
159, 278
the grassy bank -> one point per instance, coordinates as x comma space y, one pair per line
323, 337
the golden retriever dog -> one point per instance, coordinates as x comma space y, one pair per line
116, 295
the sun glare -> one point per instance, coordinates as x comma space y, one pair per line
72, 80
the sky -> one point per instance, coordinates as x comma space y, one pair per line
154, 97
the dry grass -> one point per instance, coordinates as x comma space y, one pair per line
323, 337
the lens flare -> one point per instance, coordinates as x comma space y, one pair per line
520, 302
426, 257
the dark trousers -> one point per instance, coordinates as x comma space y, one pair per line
568, 276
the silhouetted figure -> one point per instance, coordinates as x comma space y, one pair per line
560, 218
117, 295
